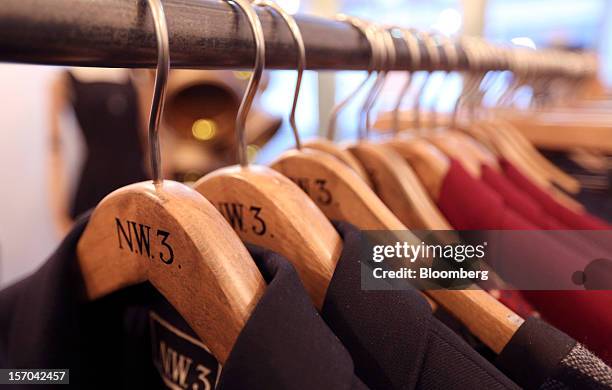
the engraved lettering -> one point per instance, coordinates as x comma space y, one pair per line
142, 238
325, 197
261, 229
121, 231
170, 258
233, 213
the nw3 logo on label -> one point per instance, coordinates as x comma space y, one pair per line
182, 361
177, 369
136, 237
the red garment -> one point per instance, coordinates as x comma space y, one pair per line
570, 218
518, 201
529, 209
470, 204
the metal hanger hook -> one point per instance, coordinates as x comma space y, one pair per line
434, 59
388, 61
412, 43
159, 89
253, 85
301, 61
368, 34
381, 63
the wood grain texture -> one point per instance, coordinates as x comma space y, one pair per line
197, 261
343, 195
277, 215
429, 163
341, 154
565, 181
489, 320
398, 187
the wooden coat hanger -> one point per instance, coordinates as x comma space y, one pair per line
518, 150
488, 319
334, 187
327, 144
394, 180
447, 139
168, 234
266, 208
515, 147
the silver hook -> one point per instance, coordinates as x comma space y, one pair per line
414, 50
159, 90
368, 34
434, 59
253, 85
301, 63
383, 60
388, 61
452, 61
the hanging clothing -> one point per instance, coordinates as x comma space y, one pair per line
585, 315
595, 185
108, 115
518, 201
570, 218
393, 337
541, 357
141, 342
522, 204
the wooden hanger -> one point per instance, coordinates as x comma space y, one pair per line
328, 146
395, 181
487, 318
266, 208
516, 149
168, 234
334, 187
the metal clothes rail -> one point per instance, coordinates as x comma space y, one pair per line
203, 34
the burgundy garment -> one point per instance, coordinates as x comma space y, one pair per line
470, 204
519, 201
584, 315
570, 218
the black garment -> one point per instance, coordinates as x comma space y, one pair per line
393, 337
289, 345
596, 186
541, 357
108, 115
134, 339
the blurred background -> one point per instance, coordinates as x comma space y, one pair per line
28, 227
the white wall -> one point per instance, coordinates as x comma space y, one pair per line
27, 234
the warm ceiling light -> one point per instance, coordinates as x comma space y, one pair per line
204, 129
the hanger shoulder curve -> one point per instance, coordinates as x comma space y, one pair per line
429, 163
492, 322
267, 209
336, 189
456, 149
170, 235
341, 154
399, 187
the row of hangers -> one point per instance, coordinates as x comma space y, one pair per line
198, 261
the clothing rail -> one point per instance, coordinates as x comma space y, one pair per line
203, 34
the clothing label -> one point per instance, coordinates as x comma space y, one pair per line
182, 360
